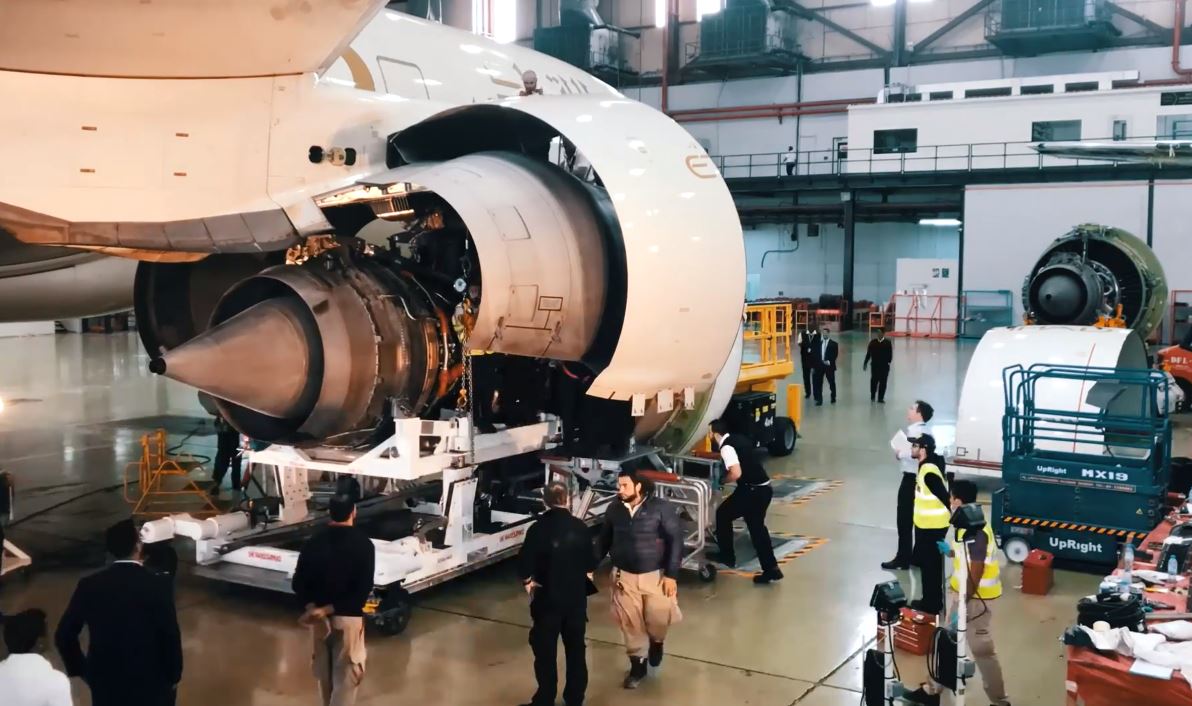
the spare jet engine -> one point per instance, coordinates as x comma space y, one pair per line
1097, 276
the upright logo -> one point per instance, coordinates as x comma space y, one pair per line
1082, 547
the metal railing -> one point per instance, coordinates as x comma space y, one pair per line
971, 157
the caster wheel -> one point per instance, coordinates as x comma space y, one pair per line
393, 615
707, 573
1016, 549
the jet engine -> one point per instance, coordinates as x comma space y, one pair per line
477, 275
1096, 275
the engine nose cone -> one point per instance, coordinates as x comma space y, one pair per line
260, 358
1061, 297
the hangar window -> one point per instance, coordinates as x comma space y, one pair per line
1055, 131
1037, 90
987, 92
1081, 86
895, 141
940, 95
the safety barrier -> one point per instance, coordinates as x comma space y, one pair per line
925, 315
767, 342
157, 495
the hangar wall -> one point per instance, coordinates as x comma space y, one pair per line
817, 267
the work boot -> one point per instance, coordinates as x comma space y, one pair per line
921, 697
768, 576
655, 654
637, 672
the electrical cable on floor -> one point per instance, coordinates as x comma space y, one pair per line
106, 488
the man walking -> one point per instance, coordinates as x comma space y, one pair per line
826, 352
750, 500
808, 344
789, 160
134, 651
333, 579
983, 589
917, 417
881, 354
227, 455
642, 533
932, 518
555, 565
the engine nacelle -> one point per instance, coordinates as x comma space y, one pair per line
1094, 275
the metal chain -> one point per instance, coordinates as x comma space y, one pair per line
469, 394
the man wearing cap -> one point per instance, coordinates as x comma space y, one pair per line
932, 517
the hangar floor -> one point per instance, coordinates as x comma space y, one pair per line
78, 403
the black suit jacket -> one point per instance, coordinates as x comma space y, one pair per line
808, 341
826, 359
558, 555
134, 654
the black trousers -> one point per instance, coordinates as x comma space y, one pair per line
226, 456
821, 372
807, 365
751, 503
878, 375
550, 623
906, 518
931, 564
790, 168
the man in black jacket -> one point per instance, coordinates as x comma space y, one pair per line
808, 340
555, 565
642, 533
333, 579
134, 653
750, 500
826, 352
881, 354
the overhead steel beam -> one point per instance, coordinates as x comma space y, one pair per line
837, 27
952, 24
1153, 28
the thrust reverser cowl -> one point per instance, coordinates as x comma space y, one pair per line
1083, 277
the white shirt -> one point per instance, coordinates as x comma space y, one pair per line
824, 350
906, 462
30, 680
728, 454
788, 158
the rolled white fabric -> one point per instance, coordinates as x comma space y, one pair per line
158, 530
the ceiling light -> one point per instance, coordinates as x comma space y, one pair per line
939, 221
881, 3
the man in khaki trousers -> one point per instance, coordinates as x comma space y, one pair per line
334, 579
642, 533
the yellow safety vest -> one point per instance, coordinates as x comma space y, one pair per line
930, 513
990, 585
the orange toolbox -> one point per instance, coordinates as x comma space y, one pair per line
1037, 576
912, 633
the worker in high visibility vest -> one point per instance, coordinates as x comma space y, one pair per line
932, 516
984, 586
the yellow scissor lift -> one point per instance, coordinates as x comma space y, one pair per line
766, 363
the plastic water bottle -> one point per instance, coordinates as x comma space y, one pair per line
1127, 579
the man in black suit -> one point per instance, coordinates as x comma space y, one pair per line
879, 354
555, 564
826, 352
808, 338
134, 654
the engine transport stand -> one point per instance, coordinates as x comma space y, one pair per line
443, 543
12, 559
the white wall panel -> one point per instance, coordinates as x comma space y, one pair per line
1173, 231
1006, 228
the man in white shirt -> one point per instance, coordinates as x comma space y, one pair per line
789, 159
919, 414
27, 678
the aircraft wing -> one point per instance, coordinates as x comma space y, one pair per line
178, 38
1174, 152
